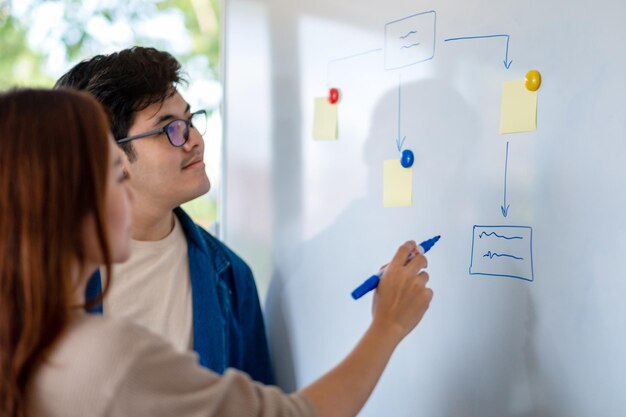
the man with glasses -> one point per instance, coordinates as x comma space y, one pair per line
180, 281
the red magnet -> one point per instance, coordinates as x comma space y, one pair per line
333, 95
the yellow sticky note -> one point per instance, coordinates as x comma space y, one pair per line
324, 120
519, 108
398, 184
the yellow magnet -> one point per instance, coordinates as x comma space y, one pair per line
533, 80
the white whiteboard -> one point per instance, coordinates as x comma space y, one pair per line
309, 214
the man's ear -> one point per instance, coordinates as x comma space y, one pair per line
128, 149
126, 164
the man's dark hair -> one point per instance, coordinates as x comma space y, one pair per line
126, 82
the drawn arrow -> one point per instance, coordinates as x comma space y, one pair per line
400, 143
343, 58
506, 62
505, 207
399, 139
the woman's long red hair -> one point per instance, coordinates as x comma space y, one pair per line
53, 168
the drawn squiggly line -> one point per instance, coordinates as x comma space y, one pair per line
480, 236
492, 254
408, 34
410, 46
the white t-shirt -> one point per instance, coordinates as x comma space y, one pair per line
153, 288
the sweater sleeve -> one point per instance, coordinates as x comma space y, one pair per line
162, 382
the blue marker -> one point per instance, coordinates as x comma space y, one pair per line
372, 282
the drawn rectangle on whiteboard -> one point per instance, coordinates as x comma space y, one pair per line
410, 40
503, 251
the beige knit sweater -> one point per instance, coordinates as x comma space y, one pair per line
106, 367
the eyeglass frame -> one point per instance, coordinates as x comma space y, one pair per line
163, 129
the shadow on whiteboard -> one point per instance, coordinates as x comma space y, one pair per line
313, 322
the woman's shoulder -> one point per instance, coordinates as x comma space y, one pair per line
100, 337
85, 366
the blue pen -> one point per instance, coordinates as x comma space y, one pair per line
372, 282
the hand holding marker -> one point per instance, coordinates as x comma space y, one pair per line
372, 282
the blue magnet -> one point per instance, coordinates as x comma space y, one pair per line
407, 158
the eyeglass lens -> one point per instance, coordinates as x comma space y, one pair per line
178, 130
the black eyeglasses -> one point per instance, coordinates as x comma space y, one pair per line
177, 131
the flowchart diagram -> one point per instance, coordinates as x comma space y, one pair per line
498, 250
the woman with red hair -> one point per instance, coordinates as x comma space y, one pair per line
65, 210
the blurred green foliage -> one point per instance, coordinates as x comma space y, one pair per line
21, 64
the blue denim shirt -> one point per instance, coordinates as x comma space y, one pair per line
228, 327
